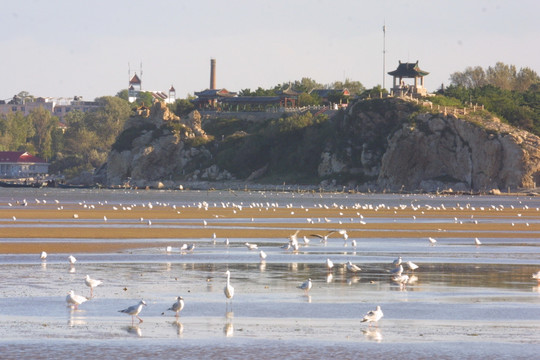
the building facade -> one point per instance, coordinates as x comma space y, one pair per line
20, 164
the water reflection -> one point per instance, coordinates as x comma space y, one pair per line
76, 318
329, 277
44, 265
373, 334
228, 329
179, 327
353, 279
262, 266
134, 329
72, 269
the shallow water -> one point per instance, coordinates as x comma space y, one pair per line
466, 301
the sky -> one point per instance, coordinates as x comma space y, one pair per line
63, 48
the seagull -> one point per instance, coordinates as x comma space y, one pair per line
168, 249
177, 306
306, 240
251, 246
92, 283
294, 237
432, 240
190, 247
306, 285
401, 279
329, 264
352, 268
183, 247
412, 265
134, 311
324, 238
228, 289
43, 255
72, 259
75, 300
373, 316
536, 276
477, 242
262, 255
397, 270
397, 262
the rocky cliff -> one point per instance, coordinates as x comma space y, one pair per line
156, 147
379, 145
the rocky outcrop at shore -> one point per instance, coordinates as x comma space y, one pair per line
156, 145
381, 144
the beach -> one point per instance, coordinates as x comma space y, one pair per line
464, 300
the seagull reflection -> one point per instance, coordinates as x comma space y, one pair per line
179, 327
329, 277
262, 266
75, 320
373, 334
135, 330
228, 329
353, 280
72, 269
308, 299
44, 265
294, 267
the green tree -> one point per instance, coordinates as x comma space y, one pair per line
123, 94
182, 107
354, 87
145, 98
44, 123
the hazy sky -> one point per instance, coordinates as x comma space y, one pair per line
64, 48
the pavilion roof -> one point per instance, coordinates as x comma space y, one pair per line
408, 70
214, 93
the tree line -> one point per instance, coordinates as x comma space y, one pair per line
511, 94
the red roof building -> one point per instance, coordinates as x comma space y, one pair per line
20, 164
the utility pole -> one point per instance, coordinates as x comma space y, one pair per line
384, 56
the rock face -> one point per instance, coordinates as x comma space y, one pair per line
153, 148
444, 150
399, 149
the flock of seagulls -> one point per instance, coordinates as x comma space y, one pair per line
397, 270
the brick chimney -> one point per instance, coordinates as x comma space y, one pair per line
212, 74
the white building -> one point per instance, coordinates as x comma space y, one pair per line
20, 164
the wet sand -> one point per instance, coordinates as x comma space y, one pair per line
46, 222
466, 301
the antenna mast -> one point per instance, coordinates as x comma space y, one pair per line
384, 56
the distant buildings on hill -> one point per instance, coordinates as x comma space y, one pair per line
58, 107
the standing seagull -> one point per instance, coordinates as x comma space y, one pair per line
74, 300
329, 264
43, 255
72, 259
177, 306
373, 316
228, 290
352, 268
412, 265
262, 255
306, 286
92, 283
477, 242
536, 276
432, 240
134, 311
